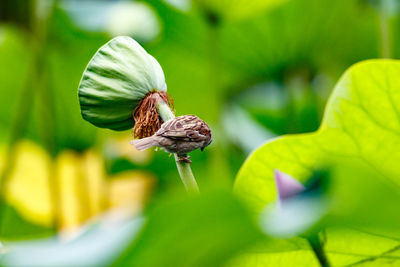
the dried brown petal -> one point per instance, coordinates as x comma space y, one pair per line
146, 116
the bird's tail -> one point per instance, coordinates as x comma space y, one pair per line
144, 143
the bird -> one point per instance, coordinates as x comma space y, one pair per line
180, 135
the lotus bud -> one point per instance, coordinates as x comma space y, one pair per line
296, 210
286, 185
121, 86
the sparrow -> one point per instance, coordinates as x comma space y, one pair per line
180, 135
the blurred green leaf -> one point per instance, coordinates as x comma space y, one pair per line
206, 230
361, 123
16, 227
316, 39
18, 12
16, 61
362, 197
239, 9
343, 247
69, 49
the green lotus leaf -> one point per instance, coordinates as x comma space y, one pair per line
118, 76
361, 123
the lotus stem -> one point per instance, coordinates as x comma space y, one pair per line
184, 169
318, 248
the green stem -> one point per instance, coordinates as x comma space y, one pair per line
45, 106
184, 169
319, 251
385, 29
219, 164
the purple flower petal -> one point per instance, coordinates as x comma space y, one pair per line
286, 185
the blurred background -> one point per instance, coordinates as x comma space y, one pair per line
253, 70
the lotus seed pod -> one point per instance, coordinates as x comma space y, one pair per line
116, 80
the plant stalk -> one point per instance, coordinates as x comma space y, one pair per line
385, 29
319, 251
184, 169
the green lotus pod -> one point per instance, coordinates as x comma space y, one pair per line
116, 79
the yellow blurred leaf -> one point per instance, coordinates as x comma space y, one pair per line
93, 169
28, 189
78, 192
129, 190
80, 183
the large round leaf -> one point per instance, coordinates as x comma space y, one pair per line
119, 75
361, 122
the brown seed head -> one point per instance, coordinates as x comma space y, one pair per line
146, 116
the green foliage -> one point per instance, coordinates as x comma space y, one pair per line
55, 112
18, 12
68, 50
209, 55
361, 124
12, 44
360, 114
15, 227
263, 47
205, 230
344, 248
197, 231
238, 9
